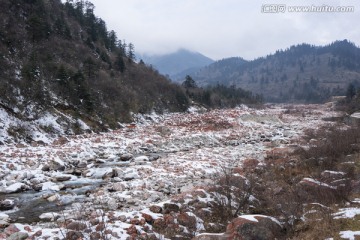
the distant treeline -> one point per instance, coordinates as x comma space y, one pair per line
219, 96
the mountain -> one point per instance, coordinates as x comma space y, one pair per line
176, 65
62, 71
301, 73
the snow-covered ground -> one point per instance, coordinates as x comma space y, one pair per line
129, 171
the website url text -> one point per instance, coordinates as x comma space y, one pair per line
282, 8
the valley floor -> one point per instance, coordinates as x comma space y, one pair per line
147, 179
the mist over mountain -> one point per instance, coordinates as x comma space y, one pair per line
178, 64
301, 73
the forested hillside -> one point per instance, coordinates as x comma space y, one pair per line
302, 73
60, 60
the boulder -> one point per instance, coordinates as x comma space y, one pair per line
51, 186
171, 207
126, 157
130, 175
250, 164
100, 173
148, 218
186, 220
45, 168
4, 217
57, 165
49, 216
249, 227
53, 198
95, 236
132, 230
354, 119
16, 187
3, 224
155, 209
313, 190
62, 178
100, 227
159, 223
109, 174
141, 159
118, 187
6, 204
112, 204
60, 141
11, 230
74, 235
82, 164
332, 175
18, 236
78, 226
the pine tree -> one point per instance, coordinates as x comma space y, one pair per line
189, 82
131, 52
351, 91
119, 63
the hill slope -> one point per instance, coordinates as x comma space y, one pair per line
178, 64
61, 71
302, 73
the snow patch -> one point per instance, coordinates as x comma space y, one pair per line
349, 234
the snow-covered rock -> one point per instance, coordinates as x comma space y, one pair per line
51, 216
16, 187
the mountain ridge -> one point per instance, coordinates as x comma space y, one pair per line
178, 63
301, 73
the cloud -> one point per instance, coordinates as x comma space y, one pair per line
225, 28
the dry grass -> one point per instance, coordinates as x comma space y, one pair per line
282, 195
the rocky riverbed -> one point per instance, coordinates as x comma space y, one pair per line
120, 183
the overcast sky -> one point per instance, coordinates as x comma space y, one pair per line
225, 28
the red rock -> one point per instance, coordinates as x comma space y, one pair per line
74, 235
186, 220
146, 228
155, 209
148, 218
135, 221
111, 216
61, 141
28, 229
132, 230
159, 223
78, 226
250, 164
312, 190
100, 227
11, 166
38, 233
245, 228
94, 221
142, 222
95, 236
171, 207
169, 219
11, 229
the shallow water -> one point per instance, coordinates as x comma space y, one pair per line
30, 205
